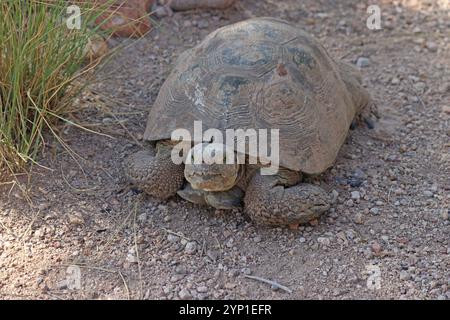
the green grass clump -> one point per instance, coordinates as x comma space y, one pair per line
40, 59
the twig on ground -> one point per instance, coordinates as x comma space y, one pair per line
176, 234
272, 283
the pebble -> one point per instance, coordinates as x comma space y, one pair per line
131, 258
324, 241
203, 24
446, 109
363, 62
376, 248
428, 193
184, 294
356, 195
374, 211
349, 203
230, 285
334, 196
76, 219
160, 12
444, 214
395, 81
257, 239
405, 275
176, 277
432, 46
172, 238
246, 271
358, 218
180, 270
202, 289
190, 247
43, 206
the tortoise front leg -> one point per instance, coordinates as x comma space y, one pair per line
270, 203
229, 199
155, 174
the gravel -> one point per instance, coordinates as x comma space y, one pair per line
394, 225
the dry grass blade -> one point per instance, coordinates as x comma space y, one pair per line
40, 59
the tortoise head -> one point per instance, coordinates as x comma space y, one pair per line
207, 167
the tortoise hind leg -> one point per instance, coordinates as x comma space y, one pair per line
155, 174
267, 202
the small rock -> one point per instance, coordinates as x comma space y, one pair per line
444, 214
203, 24
432, 46
374, 211
446, 109
230, 285
172, 238
160, 12
443, 88
428, 193
180, 269
176, 277
376, 248
76, 219
43, 206
324, 241
356, 195
334, 196
131, 258
190, 247
184, 294
355, 182
363, 62
405, 275
257, 239
202, 289
395, 81
349, 203
358, 218
246, 271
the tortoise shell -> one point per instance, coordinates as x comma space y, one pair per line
261, 73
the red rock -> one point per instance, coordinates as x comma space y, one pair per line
126, 18
376, 248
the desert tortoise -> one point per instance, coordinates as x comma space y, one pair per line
258, 73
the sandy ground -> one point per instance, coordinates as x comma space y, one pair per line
388, 241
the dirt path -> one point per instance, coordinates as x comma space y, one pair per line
394, 227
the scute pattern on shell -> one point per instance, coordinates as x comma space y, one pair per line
261, 73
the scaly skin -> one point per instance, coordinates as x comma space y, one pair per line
270, 203
278, 200
156, 174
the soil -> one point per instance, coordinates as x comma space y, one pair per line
386, 236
